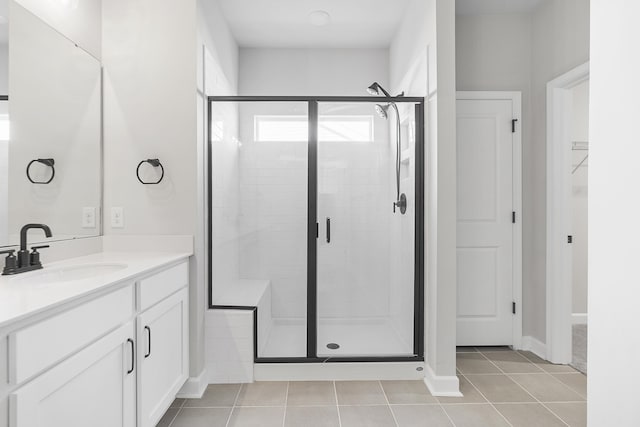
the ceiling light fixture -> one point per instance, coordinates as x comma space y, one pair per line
319, 18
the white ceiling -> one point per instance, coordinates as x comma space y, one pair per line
285, 23
476, 7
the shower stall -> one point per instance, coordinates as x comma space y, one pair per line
304, 198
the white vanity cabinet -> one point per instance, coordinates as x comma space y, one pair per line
117, 359
163, 342
95, 387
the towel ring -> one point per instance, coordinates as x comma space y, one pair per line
155, 163
46, 162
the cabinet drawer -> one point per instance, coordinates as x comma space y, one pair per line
157, 287
39, 346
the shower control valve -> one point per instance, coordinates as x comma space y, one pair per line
401, 204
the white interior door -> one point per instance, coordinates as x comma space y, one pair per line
485, 145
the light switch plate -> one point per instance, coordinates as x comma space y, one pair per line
89, 217
117, 217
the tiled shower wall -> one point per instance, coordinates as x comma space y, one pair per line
273, 210
354, 190
402, 240
260, 217
225, 197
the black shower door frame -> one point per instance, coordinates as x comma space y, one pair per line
312, 209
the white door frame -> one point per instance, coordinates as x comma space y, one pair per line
516, 99
559, 185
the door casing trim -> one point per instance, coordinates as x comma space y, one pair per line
559, 184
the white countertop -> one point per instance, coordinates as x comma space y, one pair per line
20, 298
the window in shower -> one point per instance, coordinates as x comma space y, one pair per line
302, 203
330, 128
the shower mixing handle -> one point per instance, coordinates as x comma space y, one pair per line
401, 204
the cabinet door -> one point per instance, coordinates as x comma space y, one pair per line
162, 356
95, 387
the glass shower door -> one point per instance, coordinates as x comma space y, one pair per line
365, 251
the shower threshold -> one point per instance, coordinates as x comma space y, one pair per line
337, 338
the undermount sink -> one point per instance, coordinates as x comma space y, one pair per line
68, 274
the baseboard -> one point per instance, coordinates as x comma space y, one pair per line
195, 387
533, 345
579, 318
443, 386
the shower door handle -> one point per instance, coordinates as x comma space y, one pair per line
328, 230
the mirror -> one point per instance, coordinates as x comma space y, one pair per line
50, 130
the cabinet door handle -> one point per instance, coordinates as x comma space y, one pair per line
133, 356
148, 329
328, 230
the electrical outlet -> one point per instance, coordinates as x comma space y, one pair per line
117, 217
89, 217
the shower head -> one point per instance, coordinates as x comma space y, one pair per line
383, 110
375, 89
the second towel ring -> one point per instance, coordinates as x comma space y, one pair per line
155, 163
46, 162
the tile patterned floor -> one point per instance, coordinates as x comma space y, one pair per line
501, 388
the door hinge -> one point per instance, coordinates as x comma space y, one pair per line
513, 307
569, 239
513, 125
513, 217
317, 230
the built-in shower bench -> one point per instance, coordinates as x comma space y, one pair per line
244, 293
231, 326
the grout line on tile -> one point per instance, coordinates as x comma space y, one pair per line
554, 375
175, 416
286, 402
364, 404
538, 400
485, 398
446, 414
557, 380
230, 415
233, 408
554, 414
335, 392
384, 393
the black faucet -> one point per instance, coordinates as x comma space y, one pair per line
25, 261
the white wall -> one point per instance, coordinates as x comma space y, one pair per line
614, 230
308, 72
579, 207
78, 20
429, 27
493, 53
217, 74
523, 52
560, 42
150, 72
